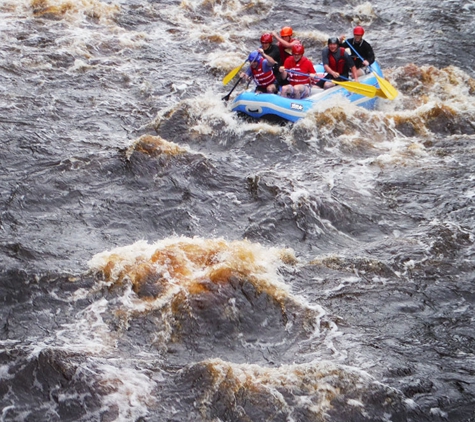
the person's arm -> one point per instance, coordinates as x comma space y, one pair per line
350, 64
310, 69
285, 43
330, 71
266, 66
247, 75
326, 63
369, 56
286, 65
269, 59
343, 41
283, 72
325, 53
275, 53
354, 73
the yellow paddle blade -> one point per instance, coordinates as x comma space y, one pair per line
380, 93
390, 92
358, 88
232, 74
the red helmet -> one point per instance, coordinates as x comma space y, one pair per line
266, 38
358, 30
286, 31
298, 49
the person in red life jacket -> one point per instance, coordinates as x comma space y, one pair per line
260, 69
299, 71
285, 43
337, 63
362, 47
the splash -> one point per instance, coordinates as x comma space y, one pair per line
202, 116
426, 83
207, 116
222, 62
92, 9
154, 146
356, 265
340, 123
192, 264
292, 392
433, 103
231, 290
216, 25
129, 392
229, 10
364, 14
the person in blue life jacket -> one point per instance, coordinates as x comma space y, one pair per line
337, 64
261, 71
363, 48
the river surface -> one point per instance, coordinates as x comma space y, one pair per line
163, 259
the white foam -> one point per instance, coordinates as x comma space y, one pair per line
4, 374
130, 390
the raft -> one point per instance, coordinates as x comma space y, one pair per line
264, 105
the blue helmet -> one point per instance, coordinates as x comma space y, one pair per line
254, 56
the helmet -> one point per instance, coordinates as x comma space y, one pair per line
333, 40
254, 56
266, 38
286, 31
298, 49
358, 30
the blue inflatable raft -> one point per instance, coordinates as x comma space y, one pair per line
260, 105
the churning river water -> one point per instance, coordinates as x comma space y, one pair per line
163, 259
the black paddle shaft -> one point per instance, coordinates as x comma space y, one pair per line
226, 97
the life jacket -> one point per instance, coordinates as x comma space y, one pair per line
337, 64
262, 78
285, 52
300, 66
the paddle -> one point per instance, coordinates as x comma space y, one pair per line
378, 93
356, 87
226, 97
390, 92
232, 74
